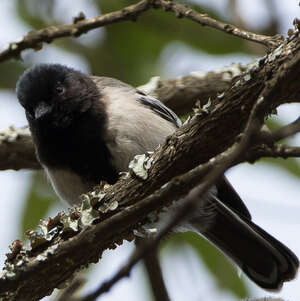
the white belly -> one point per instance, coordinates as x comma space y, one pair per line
67, 185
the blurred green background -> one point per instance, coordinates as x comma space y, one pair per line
134, 52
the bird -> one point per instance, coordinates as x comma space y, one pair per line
86, 130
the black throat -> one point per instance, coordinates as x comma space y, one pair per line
79, 147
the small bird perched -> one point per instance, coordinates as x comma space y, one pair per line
87, 129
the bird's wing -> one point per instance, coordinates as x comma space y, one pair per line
227, 194
146, 100
158, 108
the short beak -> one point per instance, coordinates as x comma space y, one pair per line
42, 110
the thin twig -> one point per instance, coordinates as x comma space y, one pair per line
285, 151
154, 272
34, 39
180, 10
264, 144
69, 292
286, 131
274, 151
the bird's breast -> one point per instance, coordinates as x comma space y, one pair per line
67, 184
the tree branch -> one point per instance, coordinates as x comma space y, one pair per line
17, 150
274, 151
264, 144
154, 272
69, 292
286, 131
151, 261
35, 39
180, 94
181, 10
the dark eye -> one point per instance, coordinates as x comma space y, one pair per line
60, 90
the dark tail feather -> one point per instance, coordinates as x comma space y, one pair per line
263, 259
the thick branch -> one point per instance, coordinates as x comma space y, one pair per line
17, 150
180, 94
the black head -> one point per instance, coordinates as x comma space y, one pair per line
55, 94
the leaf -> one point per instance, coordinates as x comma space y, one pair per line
217, 264
40, 199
